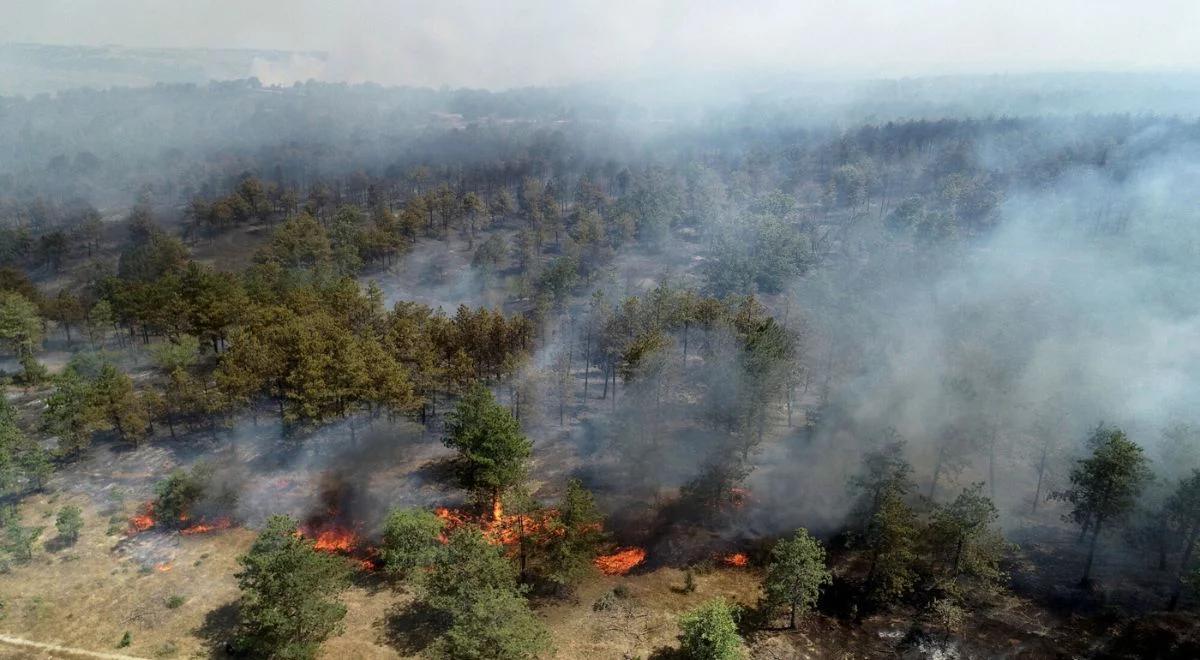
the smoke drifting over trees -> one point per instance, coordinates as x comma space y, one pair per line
900, 343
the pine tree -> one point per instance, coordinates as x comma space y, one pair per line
289, 594
710, 633
410, 540
492, 450
795, 575
1105, 486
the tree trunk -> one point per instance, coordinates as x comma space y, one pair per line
792, 622
937, 471
587, 362
1183, 567
992, 466
1037, 492
1087, 569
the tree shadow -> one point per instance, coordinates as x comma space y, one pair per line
58, 544
410, 628
666, 653
218, 629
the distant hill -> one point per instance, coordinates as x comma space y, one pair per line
29, 69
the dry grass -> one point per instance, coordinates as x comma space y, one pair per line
87, 595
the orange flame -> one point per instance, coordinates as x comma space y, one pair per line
620, 562
497, 510
206, 527
737, 560
144, 520
501, 529
164, 567
336, 539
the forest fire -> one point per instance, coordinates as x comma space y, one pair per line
499, 529
143, 520
620, 562
736, 560
204, 527
164, 567
335, 539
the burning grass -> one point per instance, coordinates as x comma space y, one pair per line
620, 562
204, 527
142, 520
501, 529
736, 560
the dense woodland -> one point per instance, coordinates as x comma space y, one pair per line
836, 353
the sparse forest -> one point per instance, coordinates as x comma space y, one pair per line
333, 370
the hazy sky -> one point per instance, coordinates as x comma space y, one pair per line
516, 42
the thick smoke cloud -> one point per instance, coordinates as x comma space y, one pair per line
530, 43
1078, 308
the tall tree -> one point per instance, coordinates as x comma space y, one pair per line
492, 450
709, 632
795, 575
289, 594
965, 542
890, 542
1105, 486
410, 540
467, 567
573, 537
70, 414
21, 330
1183, 510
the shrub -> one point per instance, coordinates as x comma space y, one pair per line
710, 633
69, 522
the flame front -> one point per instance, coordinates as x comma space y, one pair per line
204, 527
501, 529
335, 539
144, 520
164, 567
620, 562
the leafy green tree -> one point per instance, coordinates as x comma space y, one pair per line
474, 587
35, 462
21, 330
496, 625
299, 243
19, 539
179, 354
175, 497
70, 415
69, 522
884, 471
100, 320
890, 541
66, 310
19, 454
289, 594
151, 253
467, 566
410, 540
1105, 486
966, 543
118, 404
710, 633
492, 450
795, 575
574, 537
